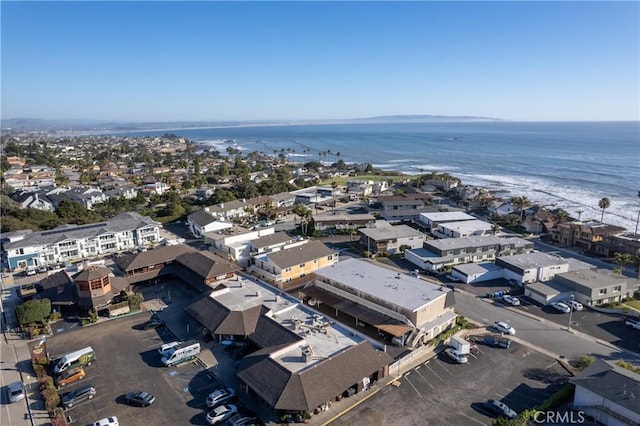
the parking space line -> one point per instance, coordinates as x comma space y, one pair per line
471, 418
434, 373
423, 378
551, 365
414, 388
441, 364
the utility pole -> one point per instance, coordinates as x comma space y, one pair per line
570, 313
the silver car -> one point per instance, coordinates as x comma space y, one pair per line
15, 391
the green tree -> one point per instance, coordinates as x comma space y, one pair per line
520, 203
34, 310
604, 204
305, 215
622, 259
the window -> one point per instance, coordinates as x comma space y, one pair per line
302, 265
602, 291
617, 288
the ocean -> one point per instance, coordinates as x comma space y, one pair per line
571, 165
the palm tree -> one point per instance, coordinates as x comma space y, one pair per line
561, 216
638, 219
635, 260
520, 203
622, 259
604, 204
579, 214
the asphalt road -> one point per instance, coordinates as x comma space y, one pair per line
540, 332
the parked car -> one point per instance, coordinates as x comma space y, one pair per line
31, 270
70, 376
41, 269
561, 307
456, 356
240, 420
221, 413
632, 323
139, 398
504, 327
15, 391
220, 396
511, 300
576, 306
500, 408
78, 395
152, 323
107, 421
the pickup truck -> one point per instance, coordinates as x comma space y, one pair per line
495, 341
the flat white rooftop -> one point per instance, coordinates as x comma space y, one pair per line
445, 216
403, 290
466, 226
323, 336
533, 260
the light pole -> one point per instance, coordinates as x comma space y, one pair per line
570, 313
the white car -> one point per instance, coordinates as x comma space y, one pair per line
577, 306
561, 307
504, 327
107, 421
456, 356
219, 397
220, 414
633, 323
511, 300
15, 391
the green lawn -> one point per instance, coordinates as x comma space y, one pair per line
634, 304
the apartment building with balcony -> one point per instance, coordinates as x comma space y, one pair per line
127, 231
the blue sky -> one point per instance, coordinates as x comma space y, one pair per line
180, 61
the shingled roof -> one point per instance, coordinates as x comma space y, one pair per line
208, 312
300, 254
309, 388
241, 323
152, 257
269, 333
202, 218
207, 265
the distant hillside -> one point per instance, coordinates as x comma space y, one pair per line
425, 117
38, 125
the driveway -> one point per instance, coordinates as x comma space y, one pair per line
440, 392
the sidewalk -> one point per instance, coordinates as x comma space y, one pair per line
16, 355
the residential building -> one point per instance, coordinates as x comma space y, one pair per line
471, 273
34, 200
298, 361
402, 308
500, 208
398, 208
201, 222
607, 393
461, 229
532, 267
437, 254
432, 219
285, 268
387, 238
342, 221
586, 236
597, 286
127, 231
229, 210
233, 243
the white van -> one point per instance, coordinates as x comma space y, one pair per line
167, 347
75, 359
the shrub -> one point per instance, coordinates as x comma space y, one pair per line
39, 370
34, 310
135, 300
54, 316
557, 398
628, 366
583, 362
46, 382
93, 316
50, 404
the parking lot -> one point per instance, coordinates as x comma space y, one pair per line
126, 361
441, 392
